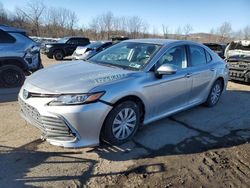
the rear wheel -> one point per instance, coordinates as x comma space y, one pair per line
214, 94
122, 123
11, 76
58, 55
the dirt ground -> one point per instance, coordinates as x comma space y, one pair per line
201, 147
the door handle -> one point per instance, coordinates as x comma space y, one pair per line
188, 75
212, 69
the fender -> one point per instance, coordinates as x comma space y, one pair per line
19, 61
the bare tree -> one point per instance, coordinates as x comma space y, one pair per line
34, 11
136, 26
246, 32
72, 21
178, 32
19, 19
155, 32
165, 30
60, 21
225, 31
3, 15
187, 29
238, 35
97, 26
108, 21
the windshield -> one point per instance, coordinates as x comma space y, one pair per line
239, 46
127, 55
63, 40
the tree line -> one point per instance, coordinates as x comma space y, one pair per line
43, 21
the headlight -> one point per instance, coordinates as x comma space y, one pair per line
35, 49
76, 99
48, 46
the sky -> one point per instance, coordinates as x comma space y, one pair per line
202, 15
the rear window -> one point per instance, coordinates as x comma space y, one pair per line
198, 56
6, 38
208, 56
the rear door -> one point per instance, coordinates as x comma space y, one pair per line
201, 72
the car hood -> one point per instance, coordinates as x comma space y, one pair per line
73, 77
238, 53
81, 50
54, 44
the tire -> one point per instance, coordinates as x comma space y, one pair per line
11, 76
113, 131
214, 94
58, 55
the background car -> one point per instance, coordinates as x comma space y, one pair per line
238, 57
64, 47
114, 92
116, 39
85, 52
19, 55
217, 48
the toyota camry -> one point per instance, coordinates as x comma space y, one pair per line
109, 96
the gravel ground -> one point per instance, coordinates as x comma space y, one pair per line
201, 147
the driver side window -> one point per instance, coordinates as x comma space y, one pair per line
174, 56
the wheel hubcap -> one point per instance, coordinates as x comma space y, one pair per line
124, 123
59, 56
215, 93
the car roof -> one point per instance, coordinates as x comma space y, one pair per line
75, 37
154, 41
11, 29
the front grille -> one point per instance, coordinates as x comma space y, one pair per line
238, 65
52, 127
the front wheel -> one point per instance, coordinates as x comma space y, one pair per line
214, 94
122, 123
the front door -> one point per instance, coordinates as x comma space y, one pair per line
170, 92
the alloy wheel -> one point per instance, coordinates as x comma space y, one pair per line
124, 123
215, 94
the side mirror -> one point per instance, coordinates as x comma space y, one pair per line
166, 69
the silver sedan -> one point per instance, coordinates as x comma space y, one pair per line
130, 84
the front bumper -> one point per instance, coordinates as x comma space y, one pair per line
47, 51
78, 56
239, 70
239, 75
67, 126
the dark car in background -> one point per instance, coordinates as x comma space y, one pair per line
217, 48
64, 47
238, 57
117, 39
85, 52
19, 56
